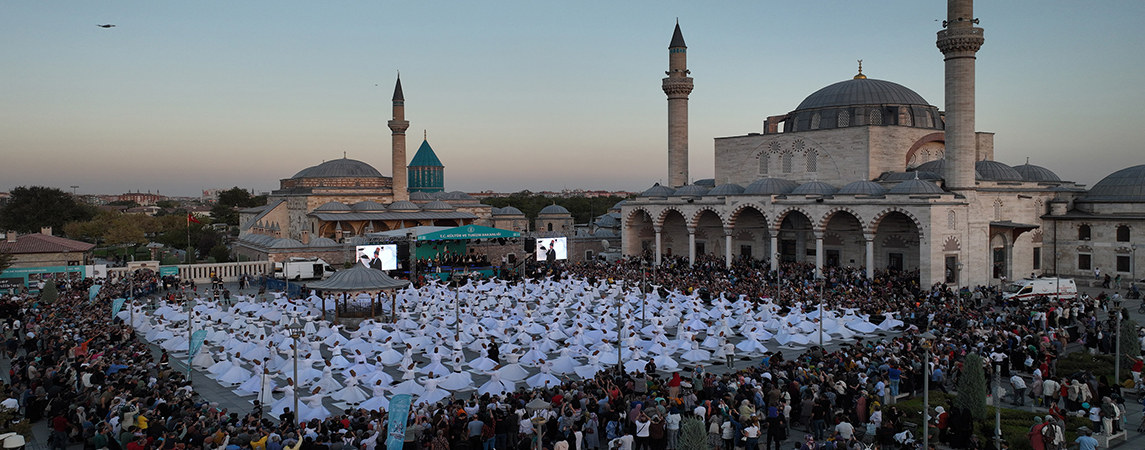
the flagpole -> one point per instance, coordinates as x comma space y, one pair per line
188, 238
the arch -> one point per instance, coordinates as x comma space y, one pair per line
1084, 232
1123, 233
873, 226
735, 213
951, 244
695, 219
632, 216
783, 215
659, 221
932, 137
822, 225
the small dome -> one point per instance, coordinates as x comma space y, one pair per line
996, 171
457, 195
1125, 185
916, 187
323, 242
403, 205
438, 205
420, 196
706, 182
508, 211
903, 176
862, 91
262, 239
726, 189
555, 209
339, 168
863, 188
285, 243
938, 166
332, 206
691, 190
619, 205
770, 186
1034, 173
368, 206
658, 191
815, 188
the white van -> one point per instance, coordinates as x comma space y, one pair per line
1030, 288
297, 268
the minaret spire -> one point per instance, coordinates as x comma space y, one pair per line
398, 127
959, 43
677, 86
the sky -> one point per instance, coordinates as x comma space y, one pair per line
538, 95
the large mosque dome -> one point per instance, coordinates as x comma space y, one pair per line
1125, 185
862, 91
339, 168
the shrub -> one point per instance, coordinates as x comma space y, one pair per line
972, 387
693, 436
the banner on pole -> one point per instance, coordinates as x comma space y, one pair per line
196, 344
399, 415
116, 305
93, 291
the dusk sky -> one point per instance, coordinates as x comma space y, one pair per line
184, 96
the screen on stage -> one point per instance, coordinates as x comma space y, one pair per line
555, 249
381, 257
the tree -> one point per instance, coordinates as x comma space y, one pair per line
167, 204
239, 197
221, 213
972, 387
221, 253
1130, 345
693, 435
49, 294
6, 259
31, 208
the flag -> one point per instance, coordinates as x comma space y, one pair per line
116, 305
191, 218
193, 347
93, 292
399, 415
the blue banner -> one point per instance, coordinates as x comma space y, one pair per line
93, 291
116, 305
399, 415
196, 343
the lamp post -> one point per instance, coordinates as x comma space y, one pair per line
926, 337
822, 281
619, 299
997, 404
296, 332
1117, 336
190, 331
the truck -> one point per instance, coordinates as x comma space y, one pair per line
1028, 289
298, 268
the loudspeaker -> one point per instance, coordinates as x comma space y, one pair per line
530, 245
403, 251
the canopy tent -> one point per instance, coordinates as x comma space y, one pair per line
402, 232
359, 278
466, 232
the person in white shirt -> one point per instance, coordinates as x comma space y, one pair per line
1019, 386
730, 353
845, 430
643, 427
621, 443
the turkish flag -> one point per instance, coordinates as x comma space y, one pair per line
191, 218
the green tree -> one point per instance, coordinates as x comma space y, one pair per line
127, 203
221, 213
221, 253
49, 294
972, 387
30, 208
1130, 345
239, 197
167, 204
6, 259
693, 435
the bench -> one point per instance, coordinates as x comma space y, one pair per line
1108, 441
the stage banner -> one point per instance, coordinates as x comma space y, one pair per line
399, 415
92, 292
197, 339
116, 305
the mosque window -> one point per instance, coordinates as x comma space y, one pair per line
812, 155
951, 223
786, 159
907, 120
929, 120
1084, 233
815, 121
764, 159
1123, 233
794, 124
844, 119
550, 226
998, 209
876, 117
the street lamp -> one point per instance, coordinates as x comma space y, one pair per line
1117, 335
296, 332
926, 337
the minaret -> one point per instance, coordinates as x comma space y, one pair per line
677, 86
959, 42
398, 126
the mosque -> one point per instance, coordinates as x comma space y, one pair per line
867, 173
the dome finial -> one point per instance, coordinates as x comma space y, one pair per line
860, 76
424, 135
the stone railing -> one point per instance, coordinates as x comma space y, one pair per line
201, 273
